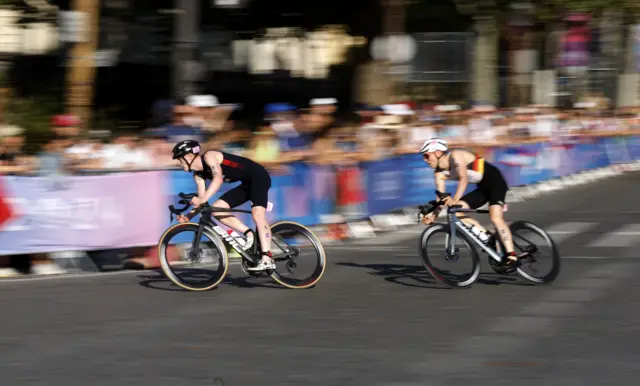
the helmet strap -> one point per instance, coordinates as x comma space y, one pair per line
438, 158
190, 163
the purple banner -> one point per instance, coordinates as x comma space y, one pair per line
85, 213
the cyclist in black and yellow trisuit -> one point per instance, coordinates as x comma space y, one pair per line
467, 167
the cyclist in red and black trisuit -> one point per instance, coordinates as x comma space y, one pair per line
220, 167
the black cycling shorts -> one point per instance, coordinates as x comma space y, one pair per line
492, 189
256, 190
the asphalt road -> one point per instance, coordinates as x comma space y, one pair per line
377, 318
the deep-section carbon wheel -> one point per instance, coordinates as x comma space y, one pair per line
194, 270
295, 249
541, 265
433, 248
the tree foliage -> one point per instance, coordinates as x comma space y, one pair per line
553, 9
549, 10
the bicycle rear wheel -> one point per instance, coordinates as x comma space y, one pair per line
186, 270
523, 243
445, 276
287, 247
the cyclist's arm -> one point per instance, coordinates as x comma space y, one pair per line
217, 181
202, 186
461, 169
440, 179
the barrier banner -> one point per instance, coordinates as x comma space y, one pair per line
351, 195
84, 213
520, 164
385, 185
321, 180
400, 182
305, 193
419, 186
6, 212
617, 150
531, 163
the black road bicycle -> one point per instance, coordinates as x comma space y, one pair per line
217, 239
528, 252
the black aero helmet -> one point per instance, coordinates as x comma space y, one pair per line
183, 148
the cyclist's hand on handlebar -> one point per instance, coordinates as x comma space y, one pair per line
196, 202
428, 219
449, 201
182, 218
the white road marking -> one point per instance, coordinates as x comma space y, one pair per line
562, 231
626, 236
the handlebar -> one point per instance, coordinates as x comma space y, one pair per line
186, 201
433, 205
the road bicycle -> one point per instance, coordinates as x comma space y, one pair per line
219, 240
528, 252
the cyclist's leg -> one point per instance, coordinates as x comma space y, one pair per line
497, 196
497, 218
472, 200
231, 199
259, 196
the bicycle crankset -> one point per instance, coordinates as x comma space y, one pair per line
291, 264
245, 263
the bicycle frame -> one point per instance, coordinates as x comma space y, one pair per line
454, 222
206, 221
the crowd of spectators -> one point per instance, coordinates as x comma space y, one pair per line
318, 133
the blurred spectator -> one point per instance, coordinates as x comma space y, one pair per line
321, 114
264, 147
207, 113
234, 137
65, 125
325, 150
12, 158
379, 139
125, 153
51, 160
181, 126
368, 113
157, 150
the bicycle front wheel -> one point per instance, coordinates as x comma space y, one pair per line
296, 248
189, 268
540, 248
438, 235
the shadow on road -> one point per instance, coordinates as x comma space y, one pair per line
394, 273
162, 283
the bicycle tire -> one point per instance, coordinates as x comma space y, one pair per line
433, 271
555, 255
320, 253
164, 263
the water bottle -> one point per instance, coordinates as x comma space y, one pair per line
479, 234
236, 236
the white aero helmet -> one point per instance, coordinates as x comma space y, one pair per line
433, 144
